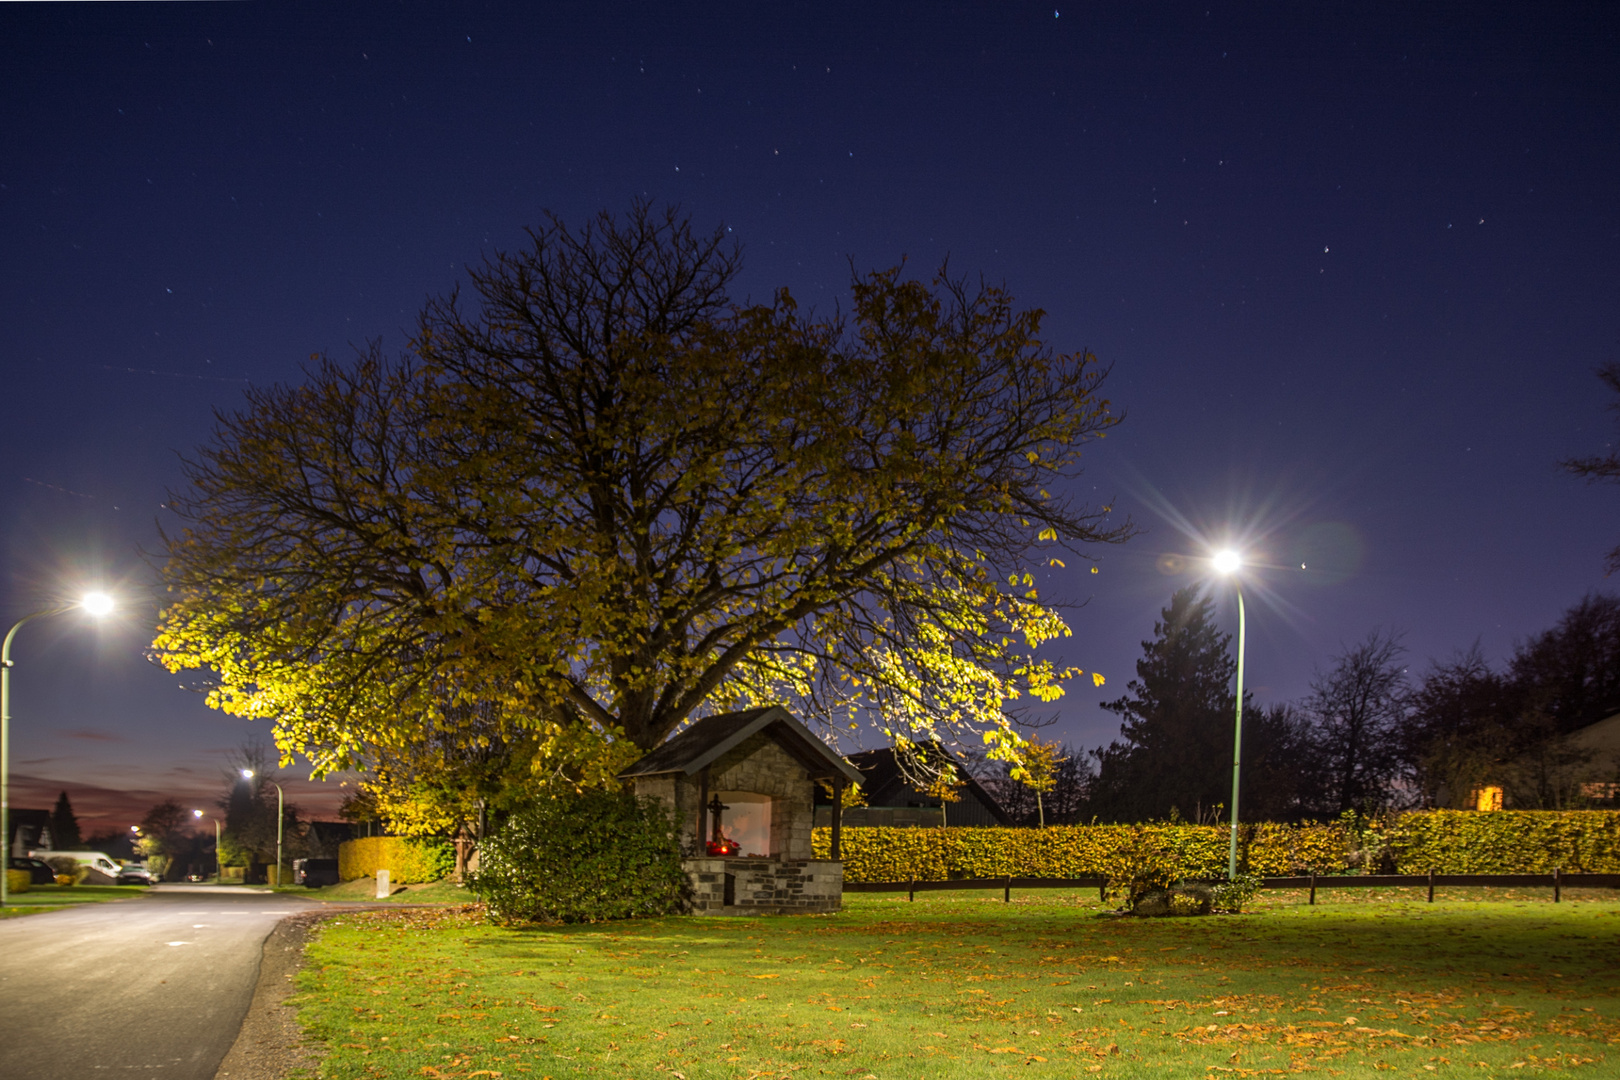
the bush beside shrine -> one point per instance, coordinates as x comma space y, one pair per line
407, 861
583, 858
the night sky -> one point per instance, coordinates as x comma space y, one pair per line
1353, 266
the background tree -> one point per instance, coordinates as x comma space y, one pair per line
607, 498
1061, 804
1602, 468
1571, 672
1357, 711
250, 806
64, 825
1282, 778
1458, 732
1176, 722
1037, 770
165, 839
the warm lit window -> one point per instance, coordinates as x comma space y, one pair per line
1487, 798
747, 820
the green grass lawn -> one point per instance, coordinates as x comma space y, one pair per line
958, 985
42, 898
365, 889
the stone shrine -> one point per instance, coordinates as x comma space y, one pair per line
741, 787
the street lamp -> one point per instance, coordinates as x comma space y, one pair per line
1228, 563
219, 871
97, 604
247, 774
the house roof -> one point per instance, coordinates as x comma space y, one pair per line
706, 740
883, 775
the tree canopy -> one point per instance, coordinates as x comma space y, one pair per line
600, 496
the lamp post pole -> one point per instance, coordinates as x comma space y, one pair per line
219, 872
1237, 744
97, 604
247, 774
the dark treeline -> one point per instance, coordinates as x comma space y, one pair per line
1371, 735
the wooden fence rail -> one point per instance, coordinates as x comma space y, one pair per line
1558, 881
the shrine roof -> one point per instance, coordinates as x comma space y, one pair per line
706, 740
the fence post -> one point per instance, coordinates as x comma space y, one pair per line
1313, 888
1558, 883
1431, 886
911, 892
1006, 891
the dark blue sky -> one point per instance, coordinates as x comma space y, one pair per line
1353, 266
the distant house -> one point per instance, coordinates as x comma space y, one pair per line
29, 829
1601, 741
894, 796
1580, 767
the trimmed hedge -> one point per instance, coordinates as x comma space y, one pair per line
1506, 842
19, 881
1446, 841
886, 854
407, 861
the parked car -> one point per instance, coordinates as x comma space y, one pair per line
39, 871
315, 872
134, 874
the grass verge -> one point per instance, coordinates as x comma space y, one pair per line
365, 889
42, 898
1486, 982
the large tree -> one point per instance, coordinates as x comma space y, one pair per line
1176, 721
1602, 468
1570, 674
1357, 711
606, 497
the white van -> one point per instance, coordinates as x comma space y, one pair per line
103, 870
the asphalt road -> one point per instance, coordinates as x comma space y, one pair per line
155, 986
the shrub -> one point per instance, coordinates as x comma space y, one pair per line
69, 871
407, 861
18, 881
1144, 863
585, 858
1231, 896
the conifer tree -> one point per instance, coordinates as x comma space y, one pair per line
65, 833
1176, 722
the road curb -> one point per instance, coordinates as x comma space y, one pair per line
271, 1044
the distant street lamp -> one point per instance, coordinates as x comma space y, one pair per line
96, 604
1228, 563
247, 774
219, 870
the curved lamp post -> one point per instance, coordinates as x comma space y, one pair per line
247, 774
219, 868
97, 604
1228, 563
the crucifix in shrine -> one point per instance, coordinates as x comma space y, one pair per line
718, 844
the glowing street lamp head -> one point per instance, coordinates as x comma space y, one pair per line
247, 774
1227, 561
98, 604
196, 813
